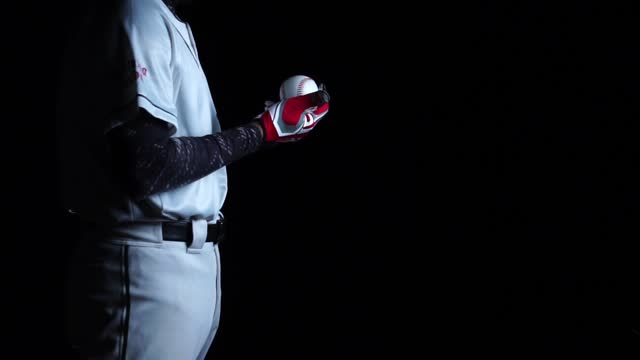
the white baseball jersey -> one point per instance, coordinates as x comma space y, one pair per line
147, 59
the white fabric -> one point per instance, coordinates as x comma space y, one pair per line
143, 302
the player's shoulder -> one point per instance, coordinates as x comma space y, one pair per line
146, 16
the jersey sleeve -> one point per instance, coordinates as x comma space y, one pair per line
149, 63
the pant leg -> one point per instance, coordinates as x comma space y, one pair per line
140, 302
216, 316
96, 302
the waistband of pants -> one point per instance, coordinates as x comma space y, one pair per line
192, 232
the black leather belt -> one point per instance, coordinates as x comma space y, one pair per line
183, 231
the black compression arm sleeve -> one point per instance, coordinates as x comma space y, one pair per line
149, 160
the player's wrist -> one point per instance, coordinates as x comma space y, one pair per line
259, 126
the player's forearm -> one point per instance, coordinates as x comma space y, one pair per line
154, 162
231, 145
187, 159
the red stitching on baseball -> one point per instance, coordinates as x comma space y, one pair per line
300, 85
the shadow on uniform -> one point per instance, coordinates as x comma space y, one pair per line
95, 34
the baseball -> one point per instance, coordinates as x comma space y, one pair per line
297, 85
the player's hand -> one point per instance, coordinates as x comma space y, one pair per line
293, 118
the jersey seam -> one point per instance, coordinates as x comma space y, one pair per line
156, 106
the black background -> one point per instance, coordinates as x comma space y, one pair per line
464, 194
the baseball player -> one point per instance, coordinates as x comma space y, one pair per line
142, 165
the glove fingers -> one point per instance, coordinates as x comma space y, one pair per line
295, 107
322, 109
320, 97
311, 121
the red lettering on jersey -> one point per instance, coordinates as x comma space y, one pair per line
141, 71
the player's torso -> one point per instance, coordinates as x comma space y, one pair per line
87, 184
196, 116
